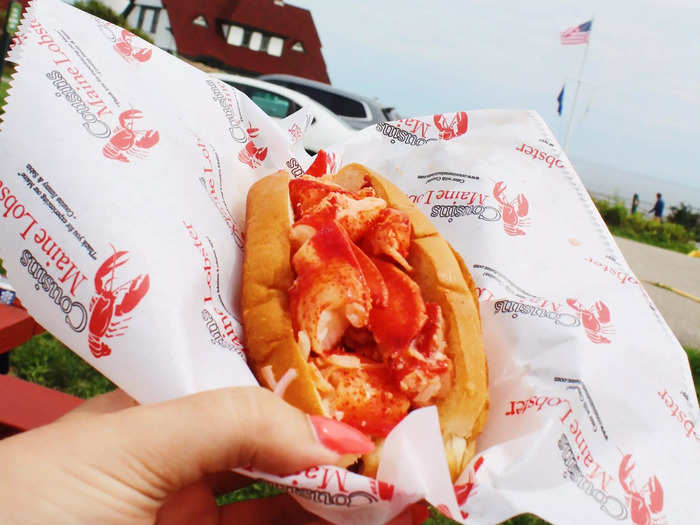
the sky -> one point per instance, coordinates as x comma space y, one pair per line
639, 102
638, 106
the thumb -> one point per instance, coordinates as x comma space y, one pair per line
172, 444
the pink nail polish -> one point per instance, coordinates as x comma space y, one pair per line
340, 437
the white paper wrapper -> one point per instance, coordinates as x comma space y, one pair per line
122, 194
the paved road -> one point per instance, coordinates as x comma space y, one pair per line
650, 263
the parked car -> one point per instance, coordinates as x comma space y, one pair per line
356, 110
279, 102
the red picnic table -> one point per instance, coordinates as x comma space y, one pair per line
24, 405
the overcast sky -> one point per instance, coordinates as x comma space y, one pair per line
638, 109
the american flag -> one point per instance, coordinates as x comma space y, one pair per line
577, 34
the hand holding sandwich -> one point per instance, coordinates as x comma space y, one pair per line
113, 462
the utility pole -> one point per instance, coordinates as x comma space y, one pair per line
578, 86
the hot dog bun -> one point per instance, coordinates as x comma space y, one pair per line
438, 270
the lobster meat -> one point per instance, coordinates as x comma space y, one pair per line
370, 340
356, 308
129, 142
513, 212
112, 302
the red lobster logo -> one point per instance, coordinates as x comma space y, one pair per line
454, 128
382, 489
251, 154
129, 142
513, 212
112, 302
595, 322
128, 51
464, 491
642, 503
322, 164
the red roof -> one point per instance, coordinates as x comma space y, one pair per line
292, 23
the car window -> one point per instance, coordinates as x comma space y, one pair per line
274, 104
391, 114
338, 104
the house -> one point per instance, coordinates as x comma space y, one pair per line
245, 36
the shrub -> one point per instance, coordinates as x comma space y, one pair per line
613, 213
668, 235
684, 216
694, 361
100, 10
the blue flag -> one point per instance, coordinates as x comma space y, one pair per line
586, 26
560, 100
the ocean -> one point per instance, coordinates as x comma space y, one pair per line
606, 181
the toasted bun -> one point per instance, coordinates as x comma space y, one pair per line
437, 269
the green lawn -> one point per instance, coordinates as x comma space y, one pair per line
676, 246
4, 86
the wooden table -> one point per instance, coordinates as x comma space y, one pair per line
24, 405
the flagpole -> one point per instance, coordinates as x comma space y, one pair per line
578, 86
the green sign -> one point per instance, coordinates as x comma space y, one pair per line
14, 12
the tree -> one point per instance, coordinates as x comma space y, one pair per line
100, 10
685, 216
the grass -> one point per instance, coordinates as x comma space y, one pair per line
676, 246
668, 235
694, 360
4, 86
46, 361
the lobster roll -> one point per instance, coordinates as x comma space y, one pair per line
355, 308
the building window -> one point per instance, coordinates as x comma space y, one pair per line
274, 47
253, 39
148, 19
234, 35
200, 21
298, 46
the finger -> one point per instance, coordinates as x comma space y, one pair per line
225, 482
103, 404
173, 444
194, 504
280, 509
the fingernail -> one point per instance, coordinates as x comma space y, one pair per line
339, 437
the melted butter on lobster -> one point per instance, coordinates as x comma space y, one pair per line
348, 285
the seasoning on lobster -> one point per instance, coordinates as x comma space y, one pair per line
354, 307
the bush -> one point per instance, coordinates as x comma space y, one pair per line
668, 235
684, 216
613, 213
46, 361
694, 361
100, 10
